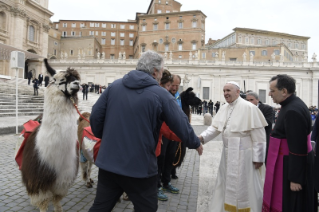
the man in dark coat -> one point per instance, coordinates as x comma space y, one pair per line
266, 110
46, 80
205, 106
35, 86
85, 90
40, 79
29, 76
289, 182
315, 137
217, 105
211, 107
129, 135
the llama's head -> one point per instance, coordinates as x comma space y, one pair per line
67, 82
189, 98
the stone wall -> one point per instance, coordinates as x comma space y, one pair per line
202, 75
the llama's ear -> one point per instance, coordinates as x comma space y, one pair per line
51, 71
189, 89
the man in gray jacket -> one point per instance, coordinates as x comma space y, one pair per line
128, 117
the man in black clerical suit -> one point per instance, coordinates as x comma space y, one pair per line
266, 110
40, 79
289, 182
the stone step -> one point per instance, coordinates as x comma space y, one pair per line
33, 113
13, 97
5, 110
21, 102
21, 106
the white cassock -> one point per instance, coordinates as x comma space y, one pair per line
239, 186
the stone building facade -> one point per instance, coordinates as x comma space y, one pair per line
24, 24
207, 77
163, 28
263, 45
113, 37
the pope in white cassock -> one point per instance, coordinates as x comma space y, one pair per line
239, 184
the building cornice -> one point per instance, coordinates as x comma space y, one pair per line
270, 32
190, 12
48, 12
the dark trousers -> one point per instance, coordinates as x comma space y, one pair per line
29, 79
85, 94
141, 191
165, 161
35, 92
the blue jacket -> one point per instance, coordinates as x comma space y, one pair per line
128, 117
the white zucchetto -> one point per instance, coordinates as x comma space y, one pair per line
233, 83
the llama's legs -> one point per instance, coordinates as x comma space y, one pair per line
89, 172
86, 170
43, 206
56, 202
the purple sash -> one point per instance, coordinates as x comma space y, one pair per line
272, 200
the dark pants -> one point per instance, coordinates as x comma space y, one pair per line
29, 79
85, 94
141, 191
35, 91
165, 161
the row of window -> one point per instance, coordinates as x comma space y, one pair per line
103, 25
113, 34
159, 1
103, 41
180, 47
263, 53
227, 42
167, 26
267, 42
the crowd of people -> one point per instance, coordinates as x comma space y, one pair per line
134, 156
206, 107
253, 174
91, 87
37, 81
263, 167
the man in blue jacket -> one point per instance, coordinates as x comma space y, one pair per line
128, 117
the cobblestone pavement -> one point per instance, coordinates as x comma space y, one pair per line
13, 195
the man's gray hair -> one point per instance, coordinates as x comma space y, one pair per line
253, 94
179, 77
150, 60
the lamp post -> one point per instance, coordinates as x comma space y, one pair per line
17, 62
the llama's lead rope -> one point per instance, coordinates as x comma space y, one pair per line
76, 107
180, 153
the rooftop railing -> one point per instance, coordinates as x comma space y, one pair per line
192, 62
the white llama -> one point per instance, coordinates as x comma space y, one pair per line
50, 158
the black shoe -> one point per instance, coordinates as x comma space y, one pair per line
174, 177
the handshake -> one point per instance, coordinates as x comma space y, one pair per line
200, 148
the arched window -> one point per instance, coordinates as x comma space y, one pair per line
3, 20
31, 33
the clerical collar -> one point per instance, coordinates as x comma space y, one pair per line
288, 100
234, 102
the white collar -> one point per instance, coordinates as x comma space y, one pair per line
234, 102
